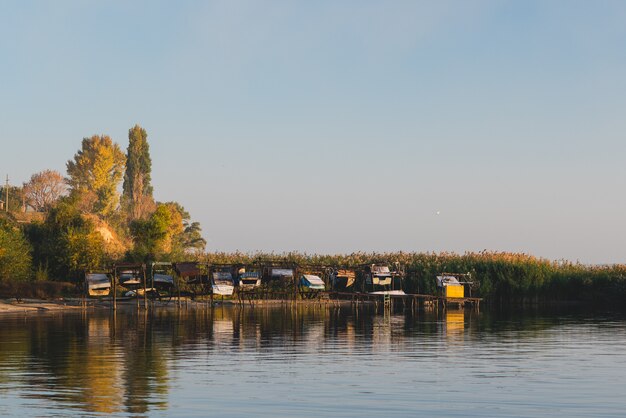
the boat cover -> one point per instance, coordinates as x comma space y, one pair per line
98, 281
447, 281
222, 275
342, 274
345, 273
163, 278
312, 282
129, 278
381, 271
250, 275
250, 279
282, 273
188, 269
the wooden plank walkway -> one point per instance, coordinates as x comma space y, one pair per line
413, 298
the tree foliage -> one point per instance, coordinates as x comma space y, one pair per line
167, 233
67, 241
88, 228
137, 198
150, 236
95, 173
187, 236
44, 189
16, 198
15, 253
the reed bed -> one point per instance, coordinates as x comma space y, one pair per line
500, 278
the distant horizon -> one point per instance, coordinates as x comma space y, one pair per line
327, 127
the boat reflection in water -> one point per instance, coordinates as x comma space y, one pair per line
139, 362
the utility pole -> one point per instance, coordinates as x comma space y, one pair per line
6, 204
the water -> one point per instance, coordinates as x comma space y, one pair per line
312, 362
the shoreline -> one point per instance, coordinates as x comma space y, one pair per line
9, 306
30, 306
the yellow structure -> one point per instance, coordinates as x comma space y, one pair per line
454, 291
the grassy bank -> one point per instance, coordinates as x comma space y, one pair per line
38, 290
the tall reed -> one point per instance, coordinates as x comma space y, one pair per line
498, 277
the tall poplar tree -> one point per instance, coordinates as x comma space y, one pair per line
137, 199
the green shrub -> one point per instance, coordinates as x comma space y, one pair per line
15, 253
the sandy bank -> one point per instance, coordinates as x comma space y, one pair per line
34, 305
11, 306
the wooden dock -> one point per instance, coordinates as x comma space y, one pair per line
413, 300
407, 301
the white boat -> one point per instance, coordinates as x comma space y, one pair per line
98, 284
249, 279
130, 278
379, 275
222, 283
138, 292
312, 282
447, 280
380, 280
388, 292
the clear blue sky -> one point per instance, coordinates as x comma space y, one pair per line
338, 126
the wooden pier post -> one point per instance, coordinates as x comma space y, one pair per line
85, 291
114, 291
145, 292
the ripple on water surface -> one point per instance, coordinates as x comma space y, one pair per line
311, 362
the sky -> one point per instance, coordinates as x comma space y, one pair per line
341, 126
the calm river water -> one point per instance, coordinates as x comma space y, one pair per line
312, 362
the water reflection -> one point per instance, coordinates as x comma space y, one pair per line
133, 362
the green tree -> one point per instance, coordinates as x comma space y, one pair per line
153, 235
95, 173
15, 253
187, 235
67, 242
16, 197
137, 199
167, 233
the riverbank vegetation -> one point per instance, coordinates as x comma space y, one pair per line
56, 228
500, 278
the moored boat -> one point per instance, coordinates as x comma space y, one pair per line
222, 283
312, 282
282, 274
98, 284
342, 279
249, 279
162, 278
379, 279
130, 279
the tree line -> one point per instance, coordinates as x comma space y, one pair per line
86, 223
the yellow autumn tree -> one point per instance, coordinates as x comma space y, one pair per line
94, 174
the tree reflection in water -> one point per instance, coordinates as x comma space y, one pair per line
100, 362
